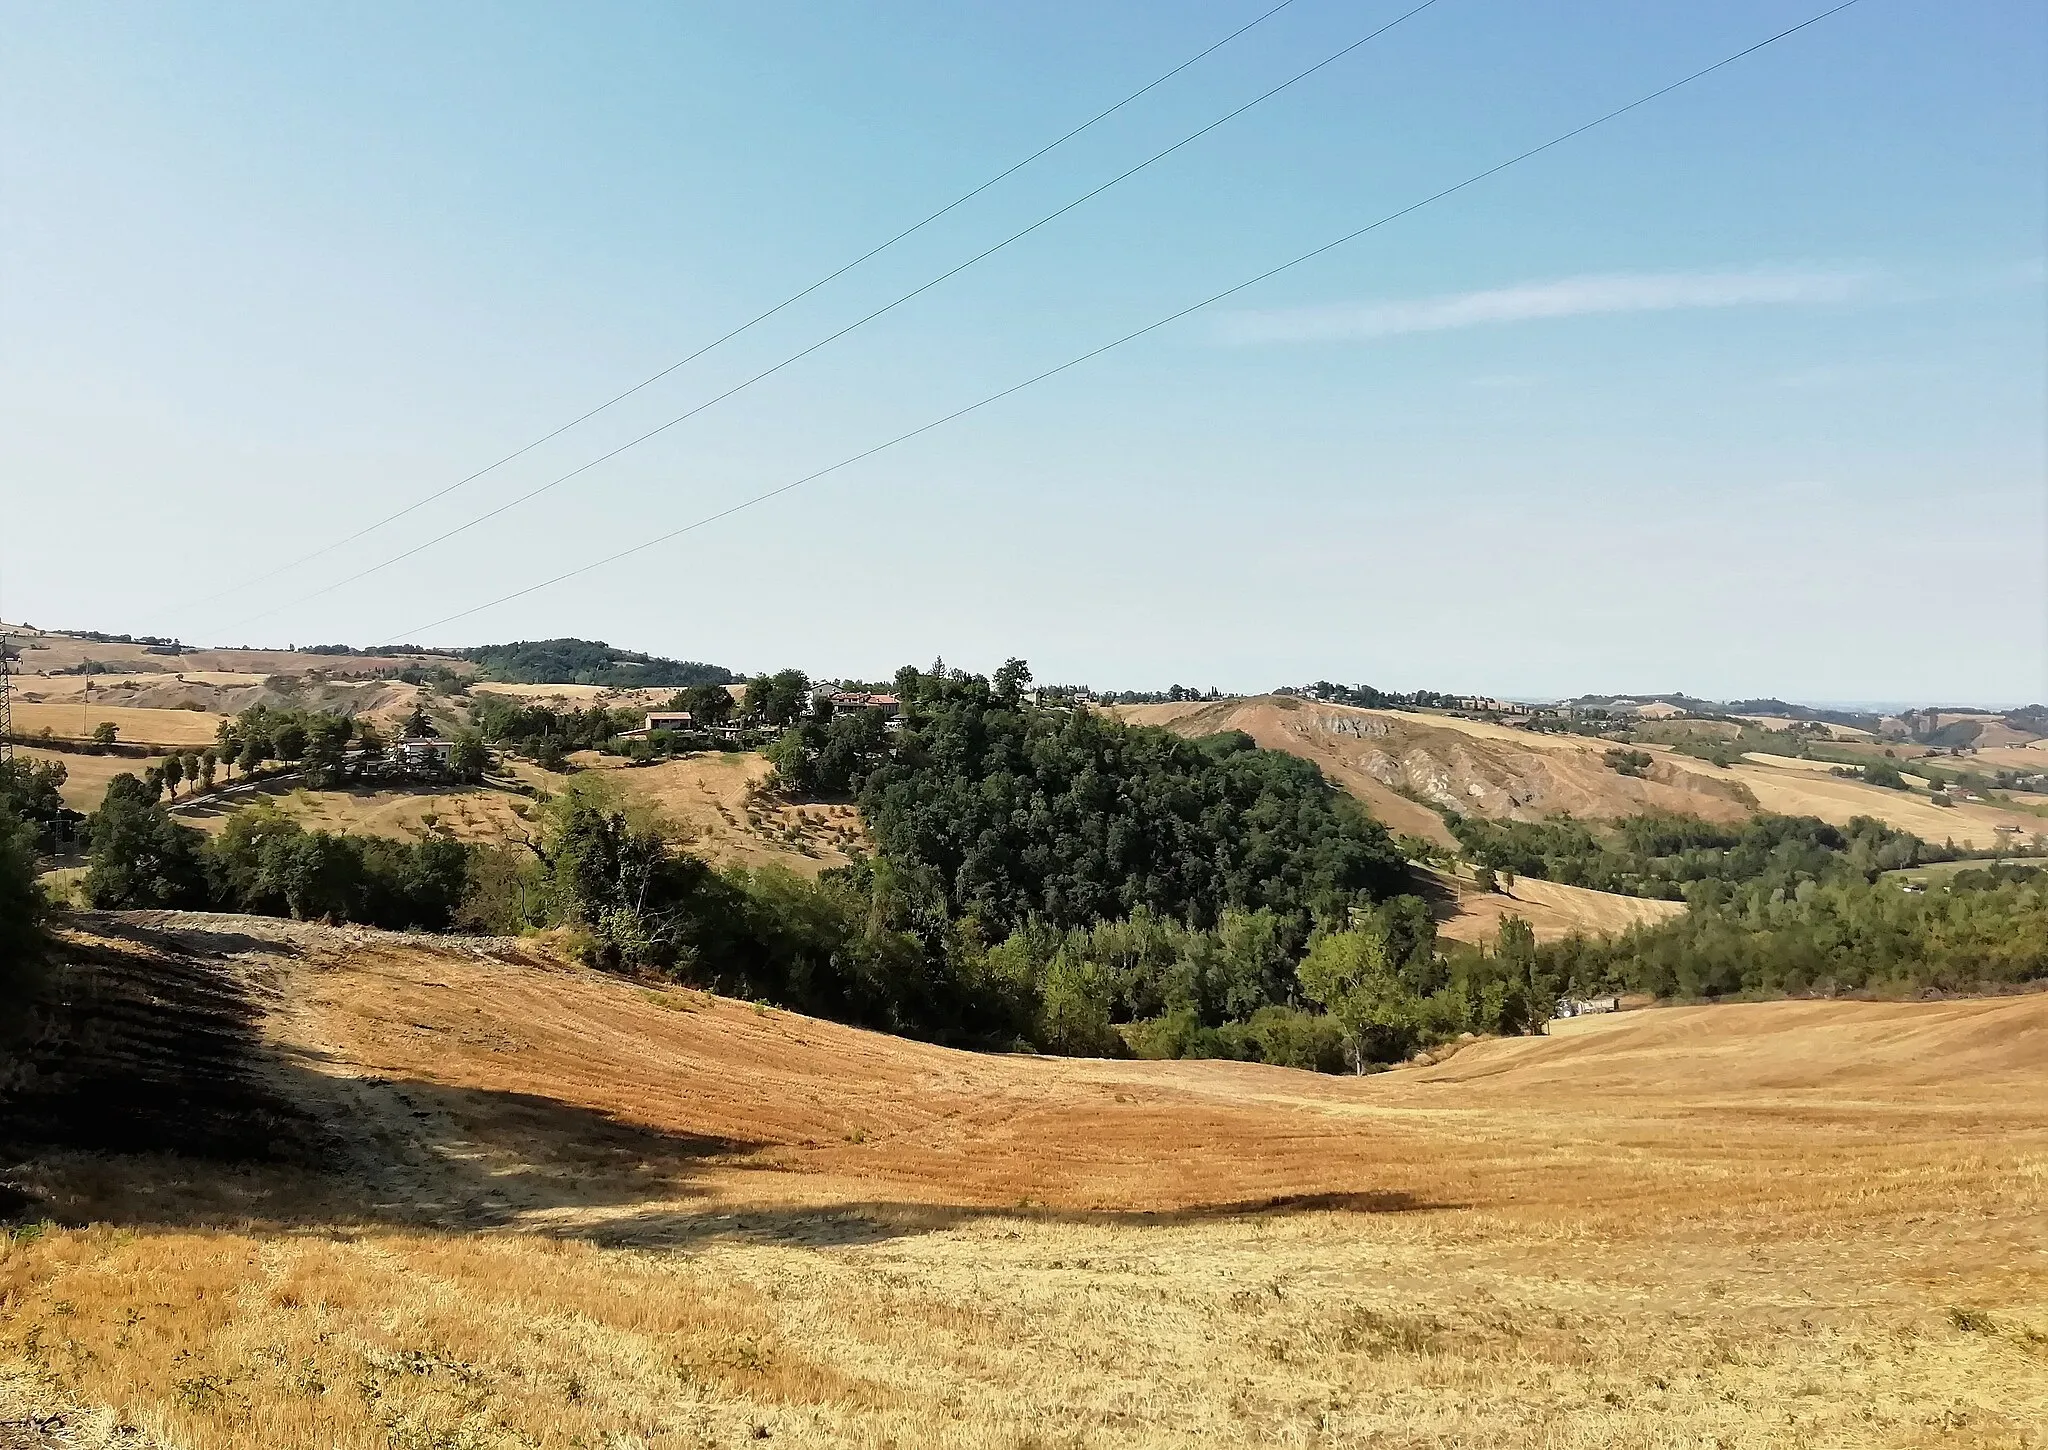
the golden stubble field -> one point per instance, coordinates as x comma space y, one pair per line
1552, 909
567, 1210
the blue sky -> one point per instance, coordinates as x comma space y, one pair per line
1741, 394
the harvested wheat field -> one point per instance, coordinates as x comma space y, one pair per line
511, 1202
85, 776
1796, 792
1552, 909
458, 812
76, 721
709, 801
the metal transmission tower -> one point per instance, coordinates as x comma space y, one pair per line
6, 697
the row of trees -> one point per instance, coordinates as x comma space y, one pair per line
333, 749
1683, 858
266, 863
1840, 935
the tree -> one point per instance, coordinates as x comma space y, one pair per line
707, 704
1350, 974
22, 908
468, 757
289, 741
171, 772
417, 725
326, 751
105, 733
208, 760
780, 698
1010, 681
140, 857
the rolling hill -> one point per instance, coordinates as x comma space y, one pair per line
1404, 765
373, 1191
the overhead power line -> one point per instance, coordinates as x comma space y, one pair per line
759, 317
419, 631
830, 338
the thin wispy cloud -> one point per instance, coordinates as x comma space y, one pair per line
1544, 301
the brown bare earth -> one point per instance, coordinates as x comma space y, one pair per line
516, 1203
1403, 765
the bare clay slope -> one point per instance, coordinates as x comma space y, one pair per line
1393, 759
509, 1201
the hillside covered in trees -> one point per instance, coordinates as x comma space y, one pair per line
1051, 878
587, 662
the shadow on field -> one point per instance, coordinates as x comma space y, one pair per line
147, 1095
852, 1225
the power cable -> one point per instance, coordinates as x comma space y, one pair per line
758, 318
853, 326
609, 559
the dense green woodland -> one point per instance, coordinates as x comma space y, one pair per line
1683, 858
587, 662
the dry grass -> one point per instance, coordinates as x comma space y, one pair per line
1553, 910
44, 652
714, 799
142, 727
1803, 792
461, 813
586, 1213
1406, 765
85, 776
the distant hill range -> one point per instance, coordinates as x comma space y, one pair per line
589, 662
561, 662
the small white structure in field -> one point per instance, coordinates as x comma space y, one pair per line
1586, 1006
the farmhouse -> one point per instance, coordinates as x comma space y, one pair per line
854, 700
422, 753
667, 720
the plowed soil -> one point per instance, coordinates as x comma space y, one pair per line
502, 1200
